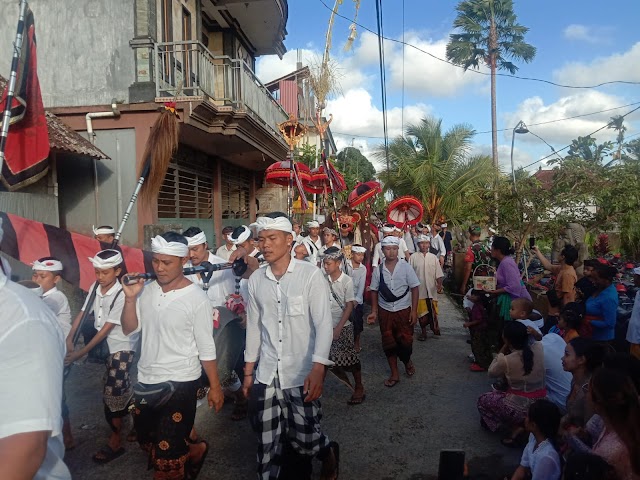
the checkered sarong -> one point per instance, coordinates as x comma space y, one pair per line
117, 385
278, 415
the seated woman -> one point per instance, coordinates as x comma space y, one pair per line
601, 307
582, 357
569, 321
523, 367
509, 281
540, 459
615, 399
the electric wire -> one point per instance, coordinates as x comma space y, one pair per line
531, 79
383, 83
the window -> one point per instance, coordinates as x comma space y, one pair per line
187, 191
167, 20
235, 192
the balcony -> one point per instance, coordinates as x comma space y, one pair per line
190, 72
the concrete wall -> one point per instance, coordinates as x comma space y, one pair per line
84, 57
117, 179
34, 202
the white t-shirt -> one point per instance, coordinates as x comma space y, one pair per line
58, 303
104, 313
343, 288
543, 461
558, 381
224, 252
177, 333
32, 349
359, 277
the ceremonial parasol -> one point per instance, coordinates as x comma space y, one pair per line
320, 182
279, 172
363, 192
404, 211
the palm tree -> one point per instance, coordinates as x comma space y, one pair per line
490, 35
438, 169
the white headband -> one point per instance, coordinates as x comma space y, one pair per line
444, 225
103, 264
243, 237
103, 231
356, 249
313, 224
390, 242
386, 229
397, 229
423, 238
266, 223
48, 266
197, 239
176, 249
306, 246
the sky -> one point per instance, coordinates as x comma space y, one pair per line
579, 43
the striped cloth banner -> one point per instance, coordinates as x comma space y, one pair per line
27, 241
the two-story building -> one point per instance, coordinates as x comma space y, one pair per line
107, 68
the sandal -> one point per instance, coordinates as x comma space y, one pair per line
410, 369
240, 411
330, 472
106, 454
391, 382
355, 399
192, 470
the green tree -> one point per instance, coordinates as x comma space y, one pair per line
438, 169
489, 35
355, 167
631, 150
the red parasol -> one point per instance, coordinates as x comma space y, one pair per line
404, 211
278, 173
363, 192
320, 181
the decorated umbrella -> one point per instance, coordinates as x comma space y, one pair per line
297, 207
278, 173
363, 192
404, 211
320, 182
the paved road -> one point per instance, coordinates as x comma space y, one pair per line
396, 434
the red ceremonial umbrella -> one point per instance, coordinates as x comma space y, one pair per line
278, 173
404, 211
319, 182
363, 192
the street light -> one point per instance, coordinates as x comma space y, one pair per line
520, 128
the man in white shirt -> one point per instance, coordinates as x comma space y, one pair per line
557, 380
47, 273
394, 301
228, 333
32, 350
437, 245
227, 248
378, 254
313, 241
289, 328
429, 272
175, 320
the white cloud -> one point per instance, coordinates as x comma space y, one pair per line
533, 110
270, 67
584, 33
618, 66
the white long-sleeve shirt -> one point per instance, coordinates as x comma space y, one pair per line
289, 324
177, 333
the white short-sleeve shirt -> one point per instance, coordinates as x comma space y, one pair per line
32, 349
343, 288
58, 303
359, 277
107, 308
403, 277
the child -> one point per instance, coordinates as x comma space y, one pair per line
104, 234
47, 273
478, 328
342, 298
358, 273
107, 308
329, 238
569, 322
540, 459
521, 311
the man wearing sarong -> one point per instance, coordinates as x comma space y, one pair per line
174, 317
394, 301
228, 331
429, 271
289, 328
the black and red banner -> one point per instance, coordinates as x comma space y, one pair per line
27, 143
27, 241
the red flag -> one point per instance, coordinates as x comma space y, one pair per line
27, 145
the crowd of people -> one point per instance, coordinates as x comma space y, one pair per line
267, 337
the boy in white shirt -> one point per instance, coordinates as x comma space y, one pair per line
358, 273
107, 309
47, 273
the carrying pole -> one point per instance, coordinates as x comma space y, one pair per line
15, 63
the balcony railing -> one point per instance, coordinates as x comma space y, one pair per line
190, 69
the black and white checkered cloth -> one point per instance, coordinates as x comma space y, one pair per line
278, 414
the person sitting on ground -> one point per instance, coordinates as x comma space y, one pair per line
615, 399
478, 325
581, 358
523, 366
566, 276
585, 287
556, 378
601, 308
540, 459
569, 321
586, 466
521, 311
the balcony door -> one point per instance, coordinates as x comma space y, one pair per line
189, 53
